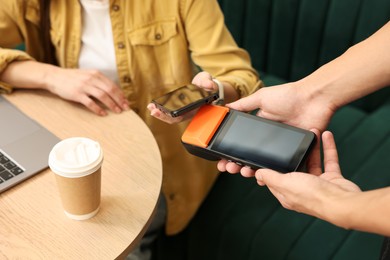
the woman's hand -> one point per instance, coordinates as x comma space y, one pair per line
88, 87
157, 113
202, 80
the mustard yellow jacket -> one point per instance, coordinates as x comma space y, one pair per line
157, 44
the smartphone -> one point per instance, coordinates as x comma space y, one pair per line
184, 99
217, 132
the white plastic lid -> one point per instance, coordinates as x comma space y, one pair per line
75, 157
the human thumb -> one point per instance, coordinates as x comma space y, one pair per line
265, 176
248, 103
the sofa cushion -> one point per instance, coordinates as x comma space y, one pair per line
290, 39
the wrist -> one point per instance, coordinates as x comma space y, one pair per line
49, 76
221, 92
230, 94
339, 208
318, 95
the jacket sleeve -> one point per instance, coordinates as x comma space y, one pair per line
9, 40
213, 48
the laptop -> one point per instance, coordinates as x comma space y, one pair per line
24, 145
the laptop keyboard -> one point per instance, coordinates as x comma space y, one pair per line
8, 168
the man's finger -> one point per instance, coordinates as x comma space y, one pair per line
248, 103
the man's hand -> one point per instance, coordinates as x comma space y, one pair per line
310, 193
287, 103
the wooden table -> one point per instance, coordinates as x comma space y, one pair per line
32, 222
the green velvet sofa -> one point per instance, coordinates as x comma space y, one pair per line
288, 39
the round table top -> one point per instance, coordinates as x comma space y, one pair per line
33, 224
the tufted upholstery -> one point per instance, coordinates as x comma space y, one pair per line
288, 39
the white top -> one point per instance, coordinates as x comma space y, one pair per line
97, 44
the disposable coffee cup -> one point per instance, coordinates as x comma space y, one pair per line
76, 163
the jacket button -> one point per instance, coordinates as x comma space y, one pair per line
182, 96
121, 45
157, 36
115, 8
126, 79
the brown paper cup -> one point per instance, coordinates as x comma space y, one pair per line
76, 163
80, 196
